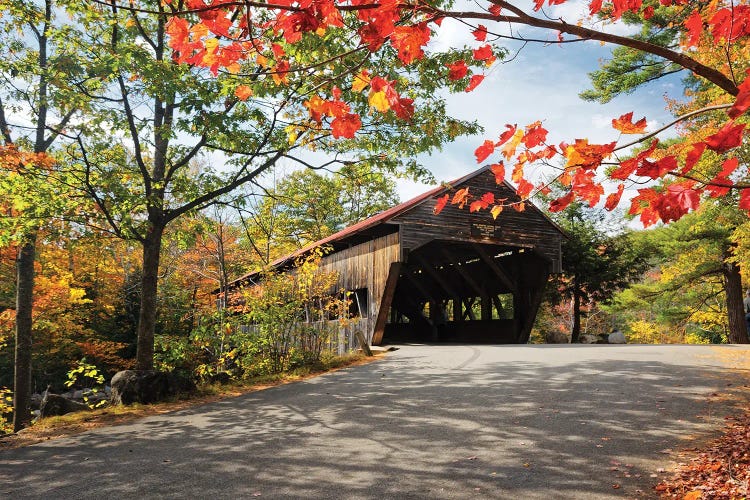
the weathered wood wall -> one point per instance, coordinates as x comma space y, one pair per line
365, 266
530, 228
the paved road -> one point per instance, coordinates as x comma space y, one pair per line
520, 422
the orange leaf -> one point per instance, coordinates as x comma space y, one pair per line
535, 135
484, 151
524, 188
461, 197
440, 204
614, 198
243, 92
474, 82
409, 40
499, 170
345, 126
509, 132
625, 124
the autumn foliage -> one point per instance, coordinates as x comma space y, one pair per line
221, 35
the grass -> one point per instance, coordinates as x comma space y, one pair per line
74, 423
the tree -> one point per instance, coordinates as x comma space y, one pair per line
144, 154
596, 263
694, 286
313, 206
41, 87
670, 32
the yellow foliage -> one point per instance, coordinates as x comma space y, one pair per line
646, 332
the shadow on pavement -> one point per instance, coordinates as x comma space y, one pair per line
466, 424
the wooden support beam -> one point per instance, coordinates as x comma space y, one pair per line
472, 283
428, 295
536, 293
413, 311
498, 305
495, 267
426, 267
458, 313
486, 308
385, 302
469, 312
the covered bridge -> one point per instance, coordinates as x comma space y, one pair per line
455, 276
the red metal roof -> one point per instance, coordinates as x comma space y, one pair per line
373, 221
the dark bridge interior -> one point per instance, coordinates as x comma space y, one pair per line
465, 292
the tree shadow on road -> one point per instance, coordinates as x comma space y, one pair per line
406, 427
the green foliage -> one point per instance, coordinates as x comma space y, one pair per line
683, 296
86, 376
290, 314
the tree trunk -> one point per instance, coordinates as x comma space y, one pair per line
144, 359
733, 289
24, 306
576, 330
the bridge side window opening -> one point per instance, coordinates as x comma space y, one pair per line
358, 303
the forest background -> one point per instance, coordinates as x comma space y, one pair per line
141, 149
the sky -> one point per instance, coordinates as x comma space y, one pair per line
541, 83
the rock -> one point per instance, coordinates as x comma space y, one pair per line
78, 395
616, 337
556, 337
588, 339
221, 378
147, 386
36, 401
55, 405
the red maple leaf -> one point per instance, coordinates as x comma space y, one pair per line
480, 34
505, 136
560, 204
485, 201
474, 82
524, 188
742, 103
595, 6
730, 136
495, 10
719, 187
409, 40
535, 135
457, 70
345, 126
658, 168
484, 151
731, 24
440, 204
484, 53
729, 166
693, 156
745, 199
626, 126
499, 170
694, 26
614, 198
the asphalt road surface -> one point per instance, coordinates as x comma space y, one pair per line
443, 421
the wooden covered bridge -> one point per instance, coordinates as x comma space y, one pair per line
455, 276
